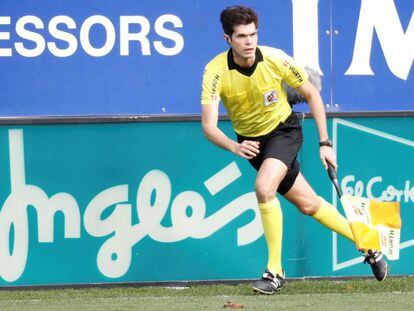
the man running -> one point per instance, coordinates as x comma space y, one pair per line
248, 80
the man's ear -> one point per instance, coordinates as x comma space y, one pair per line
227, 38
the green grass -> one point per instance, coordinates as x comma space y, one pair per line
362, 294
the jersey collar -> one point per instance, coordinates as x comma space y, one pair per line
247, 71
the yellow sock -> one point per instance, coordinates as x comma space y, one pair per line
328, 216
272, 220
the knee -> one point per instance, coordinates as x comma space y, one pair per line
310, 206
265, 192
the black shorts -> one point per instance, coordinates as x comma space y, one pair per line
283, 143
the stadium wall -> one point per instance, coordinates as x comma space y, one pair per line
132, 199
106, 177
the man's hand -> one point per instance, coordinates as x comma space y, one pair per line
248, 149
327, 155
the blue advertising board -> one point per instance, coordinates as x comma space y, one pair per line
147, 57
373, 53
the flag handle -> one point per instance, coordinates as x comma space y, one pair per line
334, 178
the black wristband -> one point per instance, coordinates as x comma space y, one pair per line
327, 143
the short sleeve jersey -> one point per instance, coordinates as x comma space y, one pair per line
254, 98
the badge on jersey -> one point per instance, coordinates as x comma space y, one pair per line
270, 98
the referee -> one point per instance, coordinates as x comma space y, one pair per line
248, 80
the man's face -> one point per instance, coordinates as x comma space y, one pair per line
244, 40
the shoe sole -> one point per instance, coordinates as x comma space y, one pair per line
261, 291
386, 273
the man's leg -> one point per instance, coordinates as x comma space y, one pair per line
305, 199
302, 195
270, 174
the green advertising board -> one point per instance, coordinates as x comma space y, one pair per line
375, 158
155, 201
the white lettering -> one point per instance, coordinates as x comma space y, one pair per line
168, 34
408, 193
371, 182
118, 222
398, 47
5, 20
13, 215
85, 35
305, 33
114, 256
188, 217
388, 193
30, 35
392, 193
346, 189
62, 35
92, 44
141, 36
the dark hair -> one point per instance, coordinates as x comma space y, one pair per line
237, 15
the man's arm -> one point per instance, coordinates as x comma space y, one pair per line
209, 119
318, 111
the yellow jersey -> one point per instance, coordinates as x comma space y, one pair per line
253, 97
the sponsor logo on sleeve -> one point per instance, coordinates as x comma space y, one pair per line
296, 73
214, 84
214, 96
